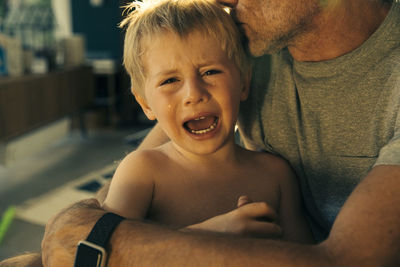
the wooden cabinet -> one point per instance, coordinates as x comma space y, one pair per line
30, 101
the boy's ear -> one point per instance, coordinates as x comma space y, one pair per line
246, 86
146, 109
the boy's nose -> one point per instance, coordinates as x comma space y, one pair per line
195, 93
228, 3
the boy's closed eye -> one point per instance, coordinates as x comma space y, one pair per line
168, 81
211, 72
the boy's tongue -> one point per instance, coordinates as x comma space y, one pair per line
200, 124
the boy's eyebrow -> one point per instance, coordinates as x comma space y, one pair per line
175, 70
166, 72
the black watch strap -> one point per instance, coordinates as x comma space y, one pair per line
91, 252
103, 229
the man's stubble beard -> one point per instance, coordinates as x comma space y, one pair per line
273, 41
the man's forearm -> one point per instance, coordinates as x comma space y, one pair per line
141, 244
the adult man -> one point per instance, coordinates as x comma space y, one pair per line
330, 105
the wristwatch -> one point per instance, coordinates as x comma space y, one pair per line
92, 251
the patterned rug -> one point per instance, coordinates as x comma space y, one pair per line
39, 210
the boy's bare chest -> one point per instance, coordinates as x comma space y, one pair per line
183, 198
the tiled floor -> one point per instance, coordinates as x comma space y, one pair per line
71, 158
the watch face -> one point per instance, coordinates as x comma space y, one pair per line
89, 255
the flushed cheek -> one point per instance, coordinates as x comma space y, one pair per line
231, 116
167, 105
167, 115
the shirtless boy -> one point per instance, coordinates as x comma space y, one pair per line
189, 72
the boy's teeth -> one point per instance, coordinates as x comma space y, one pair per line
200, 118
212, 127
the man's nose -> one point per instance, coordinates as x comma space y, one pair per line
195, 92
228, 3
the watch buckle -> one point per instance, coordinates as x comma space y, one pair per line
101, 262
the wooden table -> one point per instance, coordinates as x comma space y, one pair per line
30, 101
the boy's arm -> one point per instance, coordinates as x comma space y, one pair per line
131, 190
156, 137
291, 212
257, 219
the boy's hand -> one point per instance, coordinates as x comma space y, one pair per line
243, 200
254, 219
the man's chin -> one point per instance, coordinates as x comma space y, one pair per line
260, 49
259, 52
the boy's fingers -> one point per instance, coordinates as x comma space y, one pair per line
243, 200
258, 210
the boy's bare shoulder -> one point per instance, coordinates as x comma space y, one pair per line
268, 161
144, 157
141, 162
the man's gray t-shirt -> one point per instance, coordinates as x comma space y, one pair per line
332, 120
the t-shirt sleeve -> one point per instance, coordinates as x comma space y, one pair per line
390, 153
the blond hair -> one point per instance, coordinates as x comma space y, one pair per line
153, 17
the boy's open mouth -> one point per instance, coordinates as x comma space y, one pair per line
201, 125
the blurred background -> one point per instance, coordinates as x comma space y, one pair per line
66, 112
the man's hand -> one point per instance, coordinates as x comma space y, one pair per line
252, 219
25, 260
59, 244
